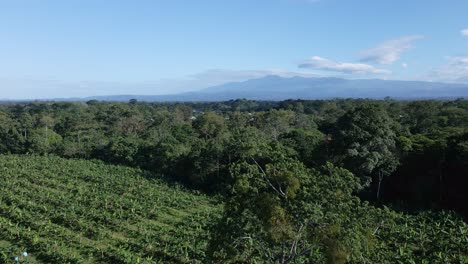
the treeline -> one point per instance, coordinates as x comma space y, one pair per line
413, 153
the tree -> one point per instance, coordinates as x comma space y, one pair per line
275, 122
25, 124
43, 141
10, 139
279, 211
209, 125
307, 143
168, 150
364, 142
209, 160
123, 150
421, 116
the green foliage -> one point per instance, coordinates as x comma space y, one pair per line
421, 116
123, 150
365, 142
73, 211
44, 141
283, 210
423, 238
10, 139
275, 122
210, 125
292, 176
309, 145
286, 213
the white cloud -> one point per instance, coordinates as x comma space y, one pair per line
464, 32
455, 70
389, 51
320, 63
404, 65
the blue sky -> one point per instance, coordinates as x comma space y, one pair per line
80, 48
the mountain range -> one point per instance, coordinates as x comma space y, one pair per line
280, 88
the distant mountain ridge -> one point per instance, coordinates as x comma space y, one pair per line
277, 88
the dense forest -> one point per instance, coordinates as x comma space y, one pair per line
322, 181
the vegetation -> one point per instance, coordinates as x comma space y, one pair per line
328, 181
73, 211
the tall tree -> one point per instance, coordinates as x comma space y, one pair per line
279, 211
364, 142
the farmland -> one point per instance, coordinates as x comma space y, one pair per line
75, 211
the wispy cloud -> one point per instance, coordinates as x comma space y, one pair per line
455, 70
464, 32
324, 64
389, 51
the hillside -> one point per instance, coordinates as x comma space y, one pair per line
77, 211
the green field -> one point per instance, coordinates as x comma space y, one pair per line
76, 211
